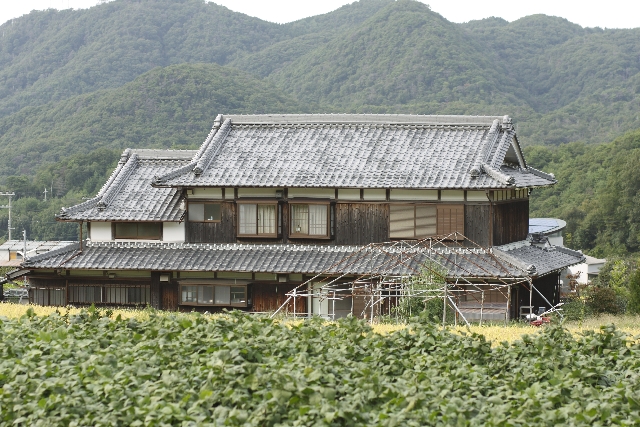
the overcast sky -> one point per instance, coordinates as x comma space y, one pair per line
588, 13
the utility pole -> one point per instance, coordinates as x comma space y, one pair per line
10, 195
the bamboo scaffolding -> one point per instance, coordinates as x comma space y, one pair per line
456, 270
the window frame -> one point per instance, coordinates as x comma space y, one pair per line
115, 236
214, 285
258, 203
438, 208
198, 202
295, 235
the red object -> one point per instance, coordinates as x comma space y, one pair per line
540, 321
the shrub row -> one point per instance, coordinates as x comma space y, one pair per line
241, 370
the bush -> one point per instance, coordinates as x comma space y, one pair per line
575, 309
601, 300
634, 293
236, 369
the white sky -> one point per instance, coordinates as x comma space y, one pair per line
588, 13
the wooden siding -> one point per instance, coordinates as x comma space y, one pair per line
510, 222
155, 290
169, 296
361, 223
215, 232
270, 296
450, 219
476, 224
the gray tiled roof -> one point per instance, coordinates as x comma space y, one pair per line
128, 194
544, 259
309, 259
357, 151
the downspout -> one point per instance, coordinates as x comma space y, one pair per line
490, 219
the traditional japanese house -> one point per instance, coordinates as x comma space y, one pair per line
270, 201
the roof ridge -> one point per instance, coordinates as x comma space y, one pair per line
124, 157
213, 147
492, 136
568, 251
498, 175
504, 256
64, 249
362, 118
118, 182
541, 174
205, 144
93, 202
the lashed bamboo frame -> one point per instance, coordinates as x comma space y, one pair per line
402, 260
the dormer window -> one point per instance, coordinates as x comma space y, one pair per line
258, 219
309, 220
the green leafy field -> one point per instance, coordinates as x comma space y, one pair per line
240, 370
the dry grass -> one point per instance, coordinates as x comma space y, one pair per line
14, 311
496, 333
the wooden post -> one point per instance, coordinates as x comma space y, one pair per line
507, 315
372, 301
481, 308
444, 306
294, 303
333, 303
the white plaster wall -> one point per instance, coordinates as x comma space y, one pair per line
173, 232
349, 194
100, 231
413, 194
206, 193
374, 194
452, 195
4, 255
476, 196
324, 193
257, 192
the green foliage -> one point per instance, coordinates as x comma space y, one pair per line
575, 309
153, 74
170, 107
602, 300
54, 55
597, 193
420, 288
634, 292
241, 370
67, 182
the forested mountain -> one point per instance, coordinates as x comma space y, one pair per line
154, 73
598, 193
166, 107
